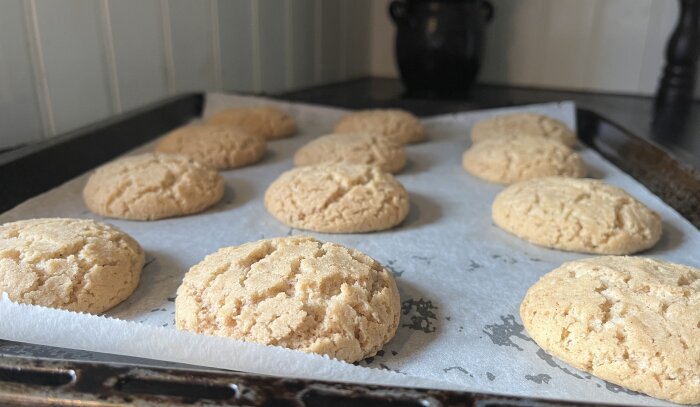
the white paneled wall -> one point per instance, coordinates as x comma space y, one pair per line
67, 63
355, 16
192, 34
70, 38
236, 45
302, 43
598, 45
140, 64
19, 106
330, 56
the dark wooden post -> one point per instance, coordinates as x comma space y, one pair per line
676, 87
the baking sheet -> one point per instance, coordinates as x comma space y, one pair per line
461, 279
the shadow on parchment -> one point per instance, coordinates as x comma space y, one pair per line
421, 318
415, 163
236, 193
595, 172
423, 211
270, 157
671, 238
160, 278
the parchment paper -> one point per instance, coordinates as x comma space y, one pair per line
461, 278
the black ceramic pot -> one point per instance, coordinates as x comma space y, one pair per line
439, 44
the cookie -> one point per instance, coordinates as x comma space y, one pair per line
631, 321
512, 159
266, 121
294, 292
152, 186
394, 124
523, 124
580, 215
74, 264
353, 148
220, 147
337, 198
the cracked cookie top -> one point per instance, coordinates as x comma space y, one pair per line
353, 148
337, 198
629, 320
266, 121
74, 264
394, 124
580, 215
512, 159
522, 124
294, 292
152, 186
220, 147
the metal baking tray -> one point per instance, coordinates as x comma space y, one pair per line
36, 168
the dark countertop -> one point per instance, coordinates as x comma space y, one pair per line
632, 112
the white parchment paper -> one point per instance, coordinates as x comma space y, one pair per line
461, 278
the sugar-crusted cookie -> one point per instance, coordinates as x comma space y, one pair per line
512, 159
631, 321
294, 292
220, 147
152, 186
75, 264
267, 121
337, 198
519, 124
353, 148
394, 124
581, 215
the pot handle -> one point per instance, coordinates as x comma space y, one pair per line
488, 10
398, 12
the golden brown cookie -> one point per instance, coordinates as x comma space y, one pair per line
523, 124
75, 264
394, 124
220, 147
580, 215
353, 148
294, 292
152, 186
267, 121
631, 321
337, 198
512, 159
